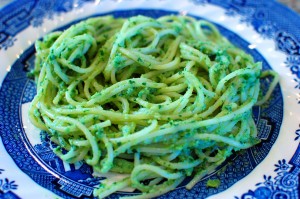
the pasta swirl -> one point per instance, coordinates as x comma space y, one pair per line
158, 99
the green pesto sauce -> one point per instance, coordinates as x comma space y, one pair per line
215, 183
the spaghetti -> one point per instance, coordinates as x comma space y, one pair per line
157, 99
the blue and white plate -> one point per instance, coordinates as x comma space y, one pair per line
265, 29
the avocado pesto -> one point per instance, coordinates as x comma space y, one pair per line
156, 99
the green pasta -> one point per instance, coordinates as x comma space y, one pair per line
157, 99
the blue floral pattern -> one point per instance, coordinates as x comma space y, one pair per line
287, 43
30, 12
297, 134
282, 165
293, 62
7, 187
9, 42
283, 186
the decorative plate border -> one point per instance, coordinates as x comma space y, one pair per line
255, 13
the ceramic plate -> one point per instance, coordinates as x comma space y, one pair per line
267, 30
